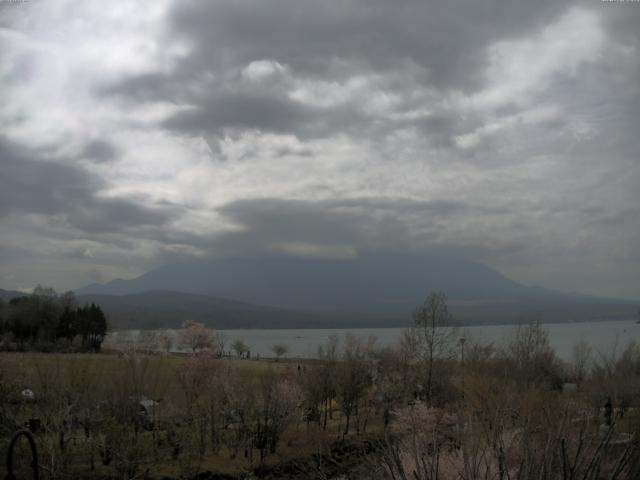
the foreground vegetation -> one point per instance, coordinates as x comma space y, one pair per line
435, 406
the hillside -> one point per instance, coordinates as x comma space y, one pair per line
380, 290
7, 295
369, 282
167, 309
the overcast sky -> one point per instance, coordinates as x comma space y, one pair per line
136, 133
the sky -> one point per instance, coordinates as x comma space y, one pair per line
134, 134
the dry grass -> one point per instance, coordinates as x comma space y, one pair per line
87, 380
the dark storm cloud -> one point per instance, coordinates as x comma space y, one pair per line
100, 151
359, 224
42, 187
446, 38
409, 45
148, 87
103, 215
237, 105
29, 184
263, 112
622, 23
243, 111
439, 44
270, 221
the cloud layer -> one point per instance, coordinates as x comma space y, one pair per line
501, 131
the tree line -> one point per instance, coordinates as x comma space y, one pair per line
48, 321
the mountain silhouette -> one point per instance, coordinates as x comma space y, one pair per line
372, 288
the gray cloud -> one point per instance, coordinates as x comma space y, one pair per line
242, 111
505, 132
100, 151
337, 228
414, 44
270, 225
445, 38
29, 184
408, 46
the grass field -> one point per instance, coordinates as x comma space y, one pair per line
70, 391
368, 412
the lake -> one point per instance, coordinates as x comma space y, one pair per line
303, 343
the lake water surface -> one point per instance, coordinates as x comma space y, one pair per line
303, 343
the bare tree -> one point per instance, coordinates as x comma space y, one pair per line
220, 342
353, 378
435, 332
165, 342
277, 400
582, 354
239, 347
325, 374
534, 359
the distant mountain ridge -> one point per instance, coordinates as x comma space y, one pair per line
168, 309
283, 281
7, 295
370, 290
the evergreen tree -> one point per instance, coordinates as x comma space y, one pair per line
46, 317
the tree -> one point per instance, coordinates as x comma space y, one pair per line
581, 358
436, 335
220, 342
97, 326
239, 347
68, 300
276, 401
325, 375
353, 378
3, 312
195, 336
67, 324
43, 318
279, 349
165, 342
534, 359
